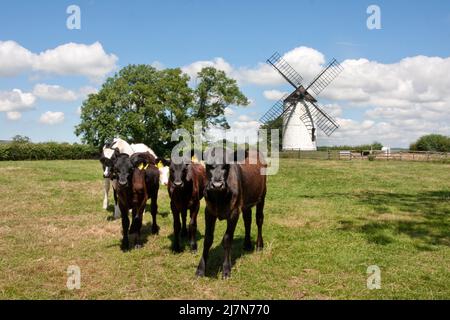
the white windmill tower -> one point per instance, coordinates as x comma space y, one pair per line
300, 112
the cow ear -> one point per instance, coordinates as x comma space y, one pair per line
161, 162
135, 160
115, 155
140, 161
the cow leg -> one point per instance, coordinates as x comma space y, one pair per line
259, 223
136, 225
154, 211
193, 226
227, 243
210, 223
125, 226
184, 232
176, 228
247, 215
105, 198
139, 224
117, 210
132, 233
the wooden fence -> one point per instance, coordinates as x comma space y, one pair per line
367, 155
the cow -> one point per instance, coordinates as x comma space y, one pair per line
186, 187
230, 188
106, 159
137, 180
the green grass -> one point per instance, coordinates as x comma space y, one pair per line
326, 222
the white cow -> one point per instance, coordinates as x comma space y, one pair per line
163, 169
123, 147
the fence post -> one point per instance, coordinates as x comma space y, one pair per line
428, 155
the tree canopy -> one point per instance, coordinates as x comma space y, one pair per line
144, 105
432, 142
20, 139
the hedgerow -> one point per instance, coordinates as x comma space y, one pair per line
47, 151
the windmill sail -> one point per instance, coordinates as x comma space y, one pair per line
321, 119
285, 70
278, 109
328, 74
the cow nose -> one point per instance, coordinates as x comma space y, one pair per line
178, 183
217, 185
122, 183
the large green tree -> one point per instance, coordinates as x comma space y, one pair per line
142, 104
432, 142
213, 94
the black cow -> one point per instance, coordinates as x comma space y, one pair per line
137, 180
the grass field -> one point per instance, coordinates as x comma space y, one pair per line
326, 222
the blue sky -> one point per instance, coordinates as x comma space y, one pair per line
243, 34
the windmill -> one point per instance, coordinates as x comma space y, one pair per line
300, 111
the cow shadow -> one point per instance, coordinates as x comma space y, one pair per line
216, 257
110, 210
184, 241
146, 232
423, 217
162, 214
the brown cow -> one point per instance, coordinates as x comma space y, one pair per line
231, 188
186, 186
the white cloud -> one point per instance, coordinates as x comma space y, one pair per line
229, 111
240, 131
14, 59
305, 60
244, 118
157, 65
68, 59
59, 93
274, 95
51, 118
219, 63
414, 80
13, 115
16, 100
333, 109
251, 103
83, 92
54, 92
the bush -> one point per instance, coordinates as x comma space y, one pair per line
432, 142
46, 151
358, 149
372, 157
